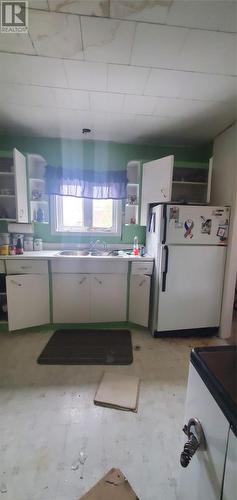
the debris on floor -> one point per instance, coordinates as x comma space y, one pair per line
79, 462
113, 485
137, 348
118, 391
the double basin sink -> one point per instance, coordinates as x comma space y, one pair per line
84, 253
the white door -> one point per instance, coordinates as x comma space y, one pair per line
71, 298
156, 184
202, 479
139, 299
190, 287
197, 225
20, 186
27, 300
108, 297
230, 480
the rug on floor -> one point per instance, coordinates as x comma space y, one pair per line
88, 347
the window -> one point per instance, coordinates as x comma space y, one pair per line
81, 215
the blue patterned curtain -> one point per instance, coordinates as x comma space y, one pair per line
111, 184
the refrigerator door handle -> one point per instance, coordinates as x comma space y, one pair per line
164, 273
164, 224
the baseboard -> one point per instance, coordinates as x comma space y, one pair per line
190, 332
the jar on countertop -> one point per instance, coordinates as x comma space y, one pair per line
4, 243
28, 244
38, 244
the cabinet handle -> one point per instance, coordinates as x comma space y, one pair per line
82, 280
142, 282
98, 281
163, 192
195, 440
16, 283
26, 267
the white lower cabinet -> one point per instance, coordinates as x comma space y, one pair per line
139, 299
108, 297
71, 298
27, 300
85, 298
202, 479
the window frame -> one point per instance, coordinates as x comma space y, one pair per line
56, 228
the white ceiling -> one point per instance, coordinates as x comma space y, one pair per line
133, 71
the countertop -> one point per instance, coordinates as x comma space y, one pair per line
55, 254
217, 367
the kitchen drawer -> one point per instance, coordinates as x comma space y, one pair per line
2, 266
142, 268
26, 266
89, 266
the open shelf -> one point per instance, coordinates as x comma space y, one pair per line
39, 201
190, 183
7, 196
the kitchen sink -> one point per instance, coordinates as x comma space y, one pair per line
93, 253
76, 253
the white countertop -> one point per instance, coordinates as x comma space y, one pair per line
55, 254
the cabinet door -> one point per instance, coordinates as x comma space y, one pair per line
71, 298
27, 300
139, 299
20, 187
230, 480
204, 473
108, 297
156, 184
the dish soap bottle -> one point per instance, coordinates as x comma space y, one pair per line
135, 246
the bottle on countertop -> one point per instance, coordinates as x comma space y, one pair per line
19, 246
142, 251
135, 246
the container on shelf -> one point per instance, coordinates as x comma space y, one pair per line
38, 244
28, 244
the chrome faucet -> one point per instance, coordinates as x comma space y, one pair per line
95, 243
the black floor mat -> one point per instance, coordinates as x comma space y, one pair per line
88, 347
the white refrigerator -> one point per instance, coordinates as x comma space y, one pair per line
188, 243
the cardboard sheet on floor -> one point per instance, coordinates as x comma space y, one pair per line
114, 486
118, 391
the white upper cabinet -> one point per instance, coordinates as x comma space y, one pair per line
21, 199
156, 184
166, 180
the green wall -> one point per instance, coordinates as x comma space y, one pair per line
99, 155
